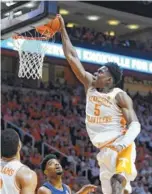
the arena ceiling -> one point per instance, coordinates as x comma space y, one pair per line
78, 11
123, 12
142, 7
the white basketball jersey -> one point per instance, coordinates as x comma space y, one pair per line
104, 119
8, 172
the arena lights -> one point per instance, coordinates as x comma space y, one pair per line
10, 3
113, 22
30, 5
18, 13
93, 17
91, 56
64, 12
70, 25
133, 26
112, 33
7, 14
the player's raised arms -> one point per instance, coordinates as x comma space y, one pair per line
72, 57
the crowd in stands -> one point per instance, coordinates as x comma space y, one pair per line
90, 36
56, 116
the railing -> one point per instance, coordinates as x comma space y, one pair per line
56, 150
23, 133
7, 124
20, 131
66, 156
12, 79
5, 88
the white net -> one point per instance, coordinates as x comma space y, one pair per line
30, 65
31, 55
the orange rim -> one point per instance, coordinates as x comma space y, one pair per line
30, 38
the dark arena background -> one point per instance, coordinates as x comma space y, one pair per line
49, 113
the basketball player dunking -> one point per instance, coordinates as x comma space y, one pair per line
54, 185
107, 110
15, 177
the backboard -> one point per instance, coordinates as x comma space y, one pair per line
20, 16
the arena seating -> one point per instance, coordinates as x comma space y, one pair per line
56, 116
89, 36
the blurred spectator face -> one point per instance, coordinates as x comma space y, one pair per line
97, 182
75, 187
146, 189
35, 102
115, 42
73, 152
9, 112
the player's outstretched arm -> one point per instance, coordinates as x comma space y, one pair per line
72, 57
26, 179
126, 104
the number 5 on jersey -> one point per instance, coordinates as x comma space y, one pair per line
97, 109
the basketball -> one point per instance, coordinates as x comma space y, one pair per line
45, 30
50, 28
54, 24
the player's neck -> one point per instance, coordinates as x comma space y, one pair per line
56, 182
9, 159
105, 89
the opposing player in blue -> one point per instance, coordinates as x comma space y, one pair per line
54, 185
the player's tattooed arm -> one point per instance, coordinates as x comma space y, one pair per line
72, 57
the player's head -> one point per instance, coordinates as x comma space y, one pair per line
10, 143
51, 166
109, 75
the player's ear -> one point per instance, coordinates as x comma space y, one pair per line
109, 79
45, 172
19, 146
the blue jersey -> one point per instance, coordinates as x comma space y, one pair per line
56, 191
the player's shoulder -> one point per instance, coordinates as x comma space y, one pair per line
68, 188
123, 99
120, 93
44, 190
114, 93
25, 174
118, 90
25, 170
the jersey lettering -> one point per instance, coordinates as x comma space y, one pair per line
99, 120
99, 100
8, 171
103, 115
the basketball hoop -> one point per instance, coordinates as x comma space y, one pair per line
31, 51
